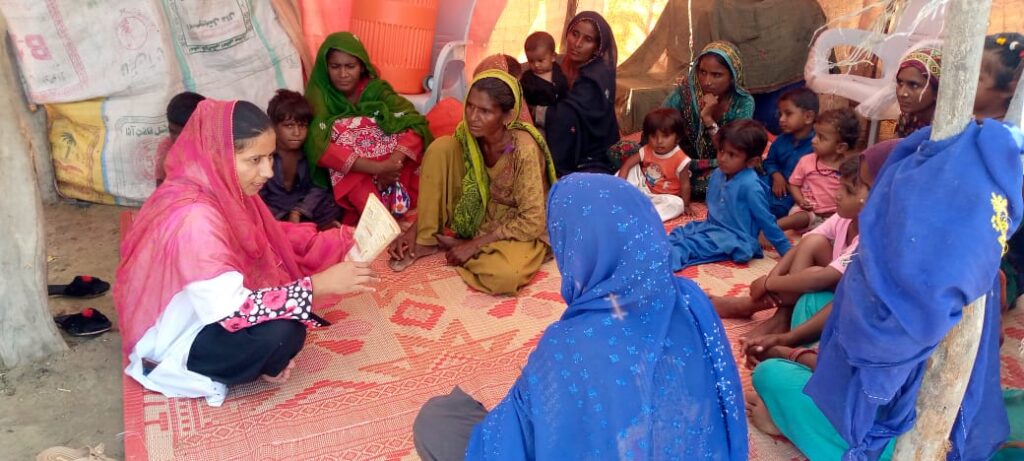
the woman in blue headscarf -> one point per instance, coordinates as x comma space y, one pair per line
900, 296
638, 367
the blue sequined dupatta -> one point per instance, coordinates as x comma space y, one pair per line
639, 366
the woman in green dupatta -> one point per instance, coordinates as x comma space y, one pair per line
712, 96
488, 186
365, 138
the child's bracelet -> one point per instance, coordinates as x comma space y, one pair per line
796, 353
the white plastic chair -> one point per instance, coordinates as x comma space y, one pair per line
448, 55
875, 95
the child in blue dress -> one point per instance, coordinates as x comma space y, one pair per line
737, 203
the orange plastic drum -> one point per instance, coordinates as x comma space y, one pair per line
321, 18
399, 35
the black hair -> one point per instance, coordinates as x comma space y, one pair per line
749, 136
539, 41
365, 72
665, 120
849, 170
181, 107
289, 105
248, 122
846, 123
498, 91
718, 58
515, 69
803, 98
1008, 47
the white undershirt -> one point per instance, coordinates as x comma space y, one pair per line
168, 341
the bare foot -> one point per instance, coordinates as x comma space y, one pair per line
777, 323
404, 251
759, 415
765, 244
282, 377
446, 242
418, 251
729, 307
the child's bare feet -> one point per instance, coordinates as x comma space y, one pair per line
282, 377
759, 415
765, 244
778, 323
729, 307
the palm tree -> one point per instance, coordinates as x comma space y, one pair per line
69, 142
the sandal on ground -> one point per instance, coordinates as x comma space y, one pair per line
71, 454
89, 322
83, 286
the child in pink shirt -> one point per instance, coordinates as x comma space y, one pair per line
815, 180
844, 242
817, 262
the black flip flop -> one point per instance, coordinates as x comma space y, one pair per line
89, 322
83, 286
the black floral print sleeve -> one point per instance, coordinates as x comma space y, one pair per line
293, 301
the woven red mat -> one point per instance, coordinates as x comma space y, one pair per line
359, 383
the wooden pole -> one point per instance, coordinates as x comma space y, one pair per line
949, 368
27, 331
33, 124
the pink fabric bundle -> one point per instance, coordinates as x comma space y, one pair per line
198, 225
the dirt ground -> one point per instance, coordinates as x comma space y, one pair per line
73, 399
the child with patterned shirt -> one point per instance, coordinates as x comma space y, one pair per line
815, 180
661, 170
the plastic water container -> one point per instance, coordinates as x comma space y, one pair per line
399, 35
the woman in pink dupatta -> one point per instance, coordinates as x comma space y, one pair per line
211, 289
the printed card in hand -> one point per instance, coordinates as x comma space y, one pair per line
375, 231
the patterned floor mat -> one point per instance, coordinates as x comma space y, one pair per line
359, 383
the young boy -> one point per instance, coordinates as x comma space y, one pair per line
661, 170
798, 108
290, 194
179, 110
543, 83
815, 180
737, 205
